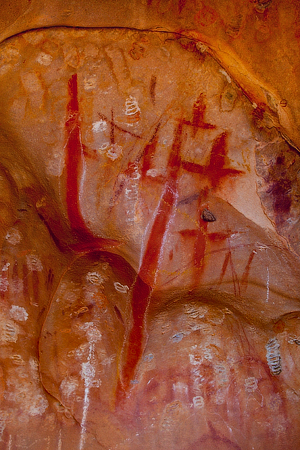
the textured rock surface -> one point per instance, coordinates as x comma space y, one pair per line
150, 273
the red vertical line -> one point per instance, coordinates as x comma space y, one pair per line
198, 116
49, 280
165, 208
181, 5
74, 162
244, 279
217, 158
235, 280
149, 152
15, 273
224, 267
112, 128
152, 88
35, 286
142, 289
199, 251
74, 156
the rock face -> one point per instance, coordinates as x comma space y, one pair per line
150, 269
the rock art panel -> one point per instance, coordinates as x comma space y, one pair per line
150, 272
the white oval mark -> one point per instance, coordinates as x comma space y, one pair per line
123, 288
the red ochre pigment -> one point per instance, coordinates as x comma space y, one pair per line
74, 163
143, 286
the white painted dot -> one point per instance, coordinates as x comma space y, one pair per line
18, 313
99, 126
44, 58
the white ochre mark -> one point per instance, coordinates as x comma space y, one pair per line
201, 47
114, 152
268, 285
123, 288
222, 71
103, 148
10, 333
132, 109
31, 82
5, 267
273, 356
17, 360
99, 126
13, 236
68, 386
34, 263
44, 58
3, 284
90, 83
94, 278
198, 402
88, 374
18, 313
250, 384
152, 173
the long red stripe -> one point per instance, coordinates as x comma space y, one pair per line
74, 166
142, 289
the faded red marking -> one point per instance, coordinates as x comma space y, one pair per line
214, 438
218, 236
214, 170
279, 326
117, 127
149, 152
15, 274
35, 286
25, 284
74, 164
145, 281
244, 279
112, 128
243, 282
181, 5
152, 88
224, 267
198, 116
235, 280
206, 16
200, 247
49, 280
188, 233
193, 167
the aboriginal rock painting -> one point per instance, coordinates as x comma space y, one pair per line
149, 271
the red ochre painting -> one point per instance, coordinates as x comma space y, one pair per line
149, 225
